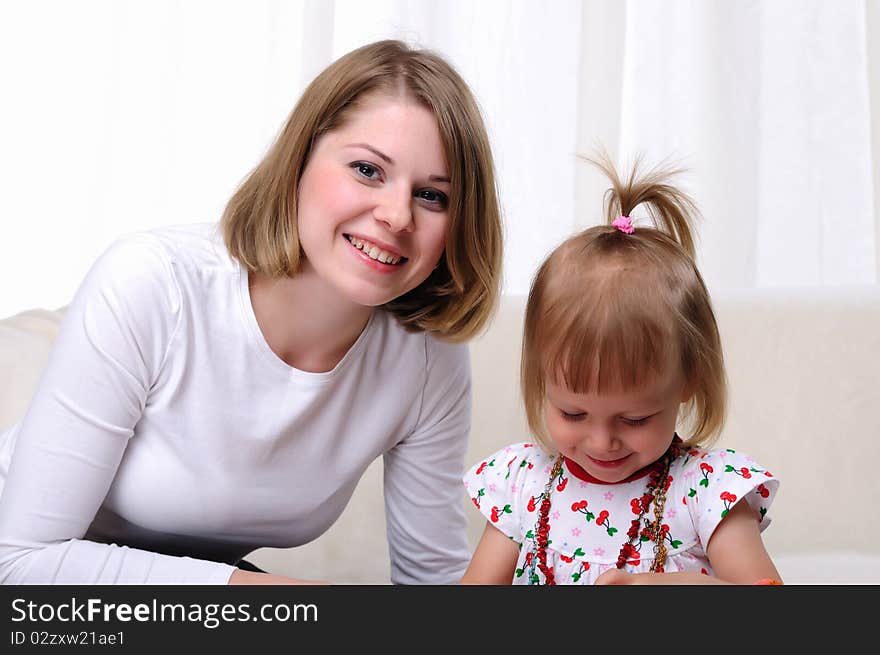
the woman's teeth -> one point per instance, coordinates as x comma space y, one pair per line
374, 252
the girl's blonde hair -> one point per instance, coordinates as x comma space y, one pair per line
260, 226
612, 311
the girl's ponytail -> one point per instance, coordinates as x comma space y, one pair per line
671, 210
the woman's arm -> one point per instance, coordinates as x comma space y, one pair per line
494, 560
424, 508
109, 351
736, 551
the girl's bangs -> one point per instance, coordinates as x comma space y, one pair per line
600, 348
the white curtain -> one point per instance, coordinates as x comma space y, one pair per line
119, 115
769, 105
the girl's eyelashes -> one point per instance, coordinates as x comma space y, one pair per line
579, 416
572, 416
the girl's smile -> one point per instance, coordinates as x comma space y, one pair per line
613, 435
608, 463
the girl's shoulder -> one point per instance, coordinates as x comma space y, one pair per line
503, 485
710, 482
517, 462
719, 463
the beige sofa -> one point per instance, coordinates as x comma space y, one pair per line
804, 370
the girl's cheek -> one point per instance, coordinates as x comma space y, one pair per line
564, 436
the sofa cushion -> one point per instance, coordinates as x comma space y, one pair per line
25, 342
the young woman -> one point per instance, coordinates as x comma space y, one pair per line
219, 388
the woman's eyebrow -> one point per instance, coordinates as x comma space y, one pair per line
375, 151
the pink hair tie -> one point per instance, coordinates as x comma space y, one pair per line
624, 224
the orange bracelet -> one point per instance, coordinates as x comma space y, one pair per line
768, 581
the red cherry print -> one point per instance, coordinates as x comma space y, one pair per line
567, 560
745, 473
561, 485
494, 516
476, 502
636, 506
602, 516
578, 506
764, 491
706, 467
481, 467
531, 504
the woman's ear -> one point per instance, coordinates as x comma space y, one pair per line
688, 392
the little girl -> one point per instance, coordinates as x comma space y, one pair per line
620, 344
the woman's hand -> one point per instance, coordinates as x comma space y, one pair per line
618, 577
240, 577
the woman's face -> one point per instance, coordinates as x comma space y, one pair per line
372, 202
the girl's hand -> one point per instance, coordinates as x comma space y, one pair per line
240, 577
618, 577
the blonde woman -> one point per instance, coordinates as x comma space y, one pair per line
219, 388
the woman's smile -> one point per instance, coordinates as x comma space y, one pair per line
378, 256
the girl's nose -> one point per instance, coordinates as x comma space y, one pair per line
603, 439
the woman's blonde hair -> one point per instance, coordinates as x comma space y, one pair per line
260, 226
612, 311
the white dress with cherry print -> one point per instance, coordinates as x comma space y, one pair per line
589, 519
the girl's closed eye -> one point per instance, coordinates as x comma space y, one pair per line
572, 416
635, 421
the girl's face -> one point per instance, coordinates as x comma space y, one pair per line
372, 202
614, 435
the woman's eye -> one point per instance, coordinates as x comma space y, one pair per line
635, 421
433, 197
366, 170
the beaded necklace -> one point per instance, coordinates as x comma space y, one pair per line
658, 484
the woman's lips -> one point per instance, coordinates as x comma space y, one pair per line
608, 464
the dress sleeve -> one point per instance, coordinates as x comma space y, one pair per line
423, 507
721, 479
110, 348
505, 489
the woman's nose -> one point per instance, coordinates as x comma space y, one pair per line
395, 210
